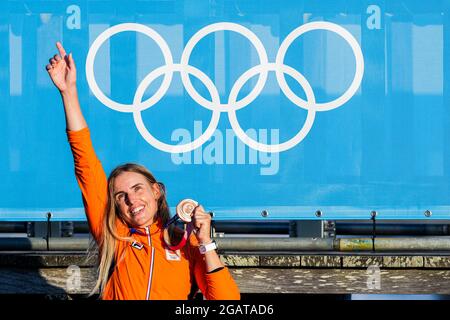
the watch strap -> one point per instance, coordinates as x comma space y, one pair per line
207, 247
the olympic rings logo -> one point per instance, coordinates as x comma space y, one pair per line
233, 104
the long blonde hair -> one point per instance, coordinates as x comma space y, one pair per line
108, 243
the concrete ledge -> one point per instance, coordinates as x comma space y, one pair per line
240, 260
306, 260
437, 262
279, 261
403, 262
321, 261
361, 261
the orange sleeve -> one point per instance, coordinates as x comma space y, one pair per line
91, 179
218, 285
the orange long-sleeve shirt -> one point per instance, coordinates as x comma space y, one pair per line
149, 271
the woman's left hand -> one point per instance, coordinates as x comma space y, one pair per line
202, 225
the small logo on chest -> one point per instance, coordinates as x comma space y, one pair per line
137, 245
173, 255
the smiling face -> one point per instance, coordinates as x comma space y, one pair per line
136, 198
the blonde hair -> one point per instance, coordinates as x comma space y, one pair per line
107, 245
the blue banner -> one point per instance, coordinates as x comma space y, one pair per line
249, 105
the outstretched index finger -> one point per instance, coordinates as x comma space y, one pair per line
61, 50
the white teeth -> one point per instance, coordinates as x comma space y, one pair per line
137, 210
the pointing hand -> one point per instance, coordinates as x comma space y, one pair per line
62, 70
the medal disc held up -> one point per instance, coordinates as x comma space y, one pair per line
185, 209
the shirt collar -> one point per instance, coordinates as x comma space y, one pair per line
154, 227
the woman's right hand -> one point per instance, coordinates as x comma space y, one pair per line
62, 70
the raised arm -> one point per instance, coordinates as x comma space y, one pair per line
88, 169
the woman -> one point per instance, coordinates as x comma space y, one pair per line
127, 214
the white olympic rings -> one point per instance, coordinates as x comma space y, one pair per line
233, 104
